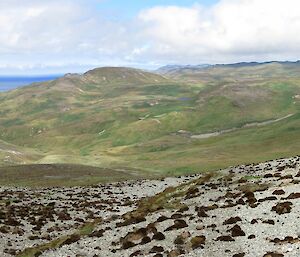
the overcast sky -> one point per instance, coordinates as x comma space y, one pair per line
58, 36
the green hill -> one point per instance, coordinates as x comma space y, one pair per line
123, 118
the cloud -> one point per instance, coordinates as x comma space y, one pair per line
231, 30
42, 34
58, 32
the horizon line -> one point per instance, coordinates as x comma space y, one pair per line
45, 74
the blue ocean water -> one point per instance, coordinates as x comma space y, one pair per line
11, 82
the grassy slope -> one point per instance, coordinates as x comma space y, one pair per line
244, 146
120, 118
11, 154
48, 175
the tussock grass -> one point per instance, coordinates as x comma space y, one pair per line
85, 230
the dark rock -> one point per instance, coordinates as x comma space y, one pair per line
33, 237
176, 216
198, 241
10, 251
225, 238
136, 235
146, 240
232, 220
136, 253
192, 192
268, 175
162, 218
241, 201
178, 224
239, 255
158, 236
272, 254
293, 196
282, 208
156, 249
4, 229
278, 192
97, 233
12, 222
201, 213
271, 222
63, 216
179, 240
269, 198
127, 244
237, 231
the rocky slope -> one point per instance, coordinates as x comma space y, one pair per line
248, 210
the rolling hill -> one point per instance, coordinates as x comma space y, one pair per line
186, 121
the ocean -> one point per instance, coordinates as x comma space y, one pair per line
11, 82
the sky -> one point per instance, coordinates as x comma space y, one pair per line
60, 36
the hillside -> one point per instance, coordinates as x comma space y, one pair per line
153, 125
232, 72
249, 210
12, 154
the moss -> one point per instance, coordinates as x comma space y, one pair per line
85, 230
253, 187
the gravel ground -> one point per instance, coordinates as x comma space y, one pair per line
250, 210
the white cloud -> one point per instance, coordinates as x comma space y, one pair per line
58, 32
43, 26
38, 34
228, 31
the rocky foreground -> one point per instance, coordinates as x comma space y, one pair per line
249, 210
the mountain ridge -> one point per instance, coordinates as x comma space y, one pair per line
174, 67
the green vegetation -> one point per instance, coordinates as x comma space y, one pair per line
167, 199
85, 230
52, 175
134, 122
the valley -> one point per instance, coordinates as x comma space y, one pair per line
133, 120
123, 162
149, 128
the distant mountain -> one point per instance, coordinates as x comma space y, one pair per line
250, 70
122, 75
175, 68
251, 64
